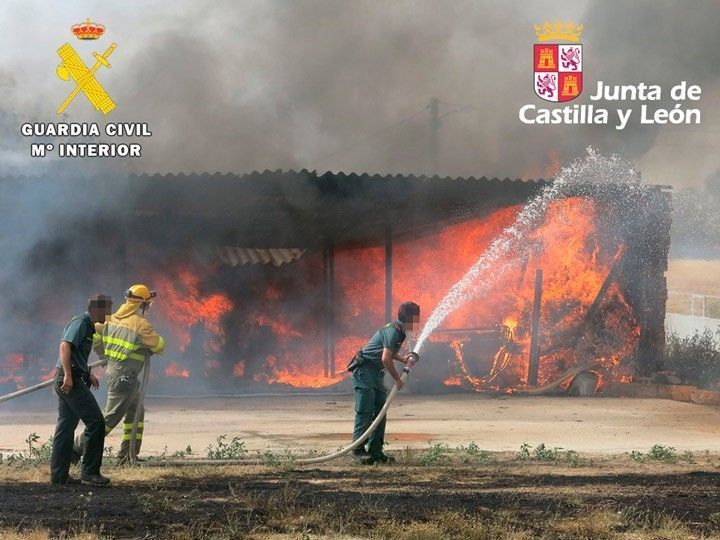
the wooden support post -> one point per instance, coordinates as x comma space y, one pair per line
326, 314
609, 280
388, 276
535, 331
331, 310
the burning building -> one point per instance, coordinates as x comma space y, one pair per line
277, 278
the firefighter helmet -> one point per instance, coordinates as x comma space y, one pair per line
140, 293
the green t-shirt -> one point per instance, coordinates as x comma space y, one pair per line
391, 336
79, 334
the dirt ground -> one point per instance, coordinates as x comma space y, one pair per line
442, 486
302, 423
420, 497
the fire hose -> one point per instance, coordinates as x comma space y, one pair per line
44, 384
319, 459
304, 461
99, 363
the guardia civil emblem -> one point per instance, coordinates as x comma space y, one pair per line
83, 77
557, 67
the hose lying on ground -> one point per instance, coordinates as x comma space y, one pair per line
358, 442
100, 363
554, 384
303, 461
44, 384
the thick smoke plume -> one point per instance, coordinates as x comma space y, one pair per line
240, 86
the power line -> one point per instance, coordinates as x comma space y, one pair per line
460, 108
369, 138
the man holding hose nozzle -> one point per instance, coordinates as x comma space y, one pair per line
368, 370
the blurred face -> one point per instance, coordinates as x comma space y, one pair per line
414, 324
98, 311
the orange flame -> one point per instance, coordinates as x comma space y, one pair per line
239, 369
567, 246
174, 370
180, 302
278, 328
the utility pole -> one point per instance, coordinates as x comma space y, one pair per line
434, 133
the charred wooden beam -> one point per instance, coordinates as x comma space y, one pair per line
326, 321
535, 331
388, 275
331, 285
329, 305
593, 310
599, 297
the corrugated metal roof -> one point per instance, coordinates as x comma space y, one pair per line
289, 209
236, 256
306, 209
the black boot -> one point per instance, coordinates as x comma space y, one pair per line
383, 458
361, 455
69, 481
95, 479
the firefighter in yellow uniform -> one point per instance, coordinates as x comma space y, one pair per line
127, 340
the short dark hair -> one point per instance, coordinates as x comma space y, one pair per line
408, 310
100, 301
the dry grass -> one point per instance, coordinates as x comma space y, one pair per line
596, 524
453, 524
493, 497
593, 525
44, 534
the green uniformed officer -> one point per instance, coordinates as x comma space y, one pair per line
73, 381
368, 370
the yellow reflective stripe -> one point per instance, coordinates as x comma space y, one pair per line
118, 348
128, 436
121, 342
124, 356
121, 331
97, 339
129, 426
160, 345
117, 341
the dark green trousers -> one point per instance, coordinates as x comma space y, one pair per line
370, 394
78, 405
